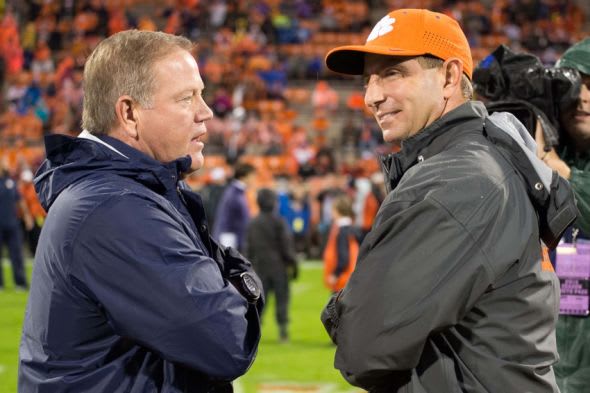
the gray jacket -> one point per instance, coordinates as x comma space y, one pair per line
449, 292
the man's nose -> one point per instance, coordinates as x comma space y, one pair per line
203, 113
373, 93
584, 94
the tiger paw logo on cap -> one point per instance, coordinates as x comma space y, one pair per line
384, 26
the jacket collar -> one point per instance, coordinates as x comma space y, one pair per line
70, 159
166, 173
438, 136
238, 185
87, 135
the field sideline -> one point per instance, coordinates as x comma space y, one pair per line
305, 364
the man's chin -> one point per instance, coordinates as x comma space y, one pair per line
197, 162
578, 129
392, 136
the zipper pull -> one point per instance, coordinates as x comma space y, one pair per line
575, 233
180, 195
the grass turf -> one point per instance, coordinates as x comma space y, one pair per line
303, 364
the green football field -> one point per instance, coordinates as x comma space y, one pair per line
305, 364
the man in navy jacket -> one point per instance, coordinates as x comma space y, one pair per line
129, 292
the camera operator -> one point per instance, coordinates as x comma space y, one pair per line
572, 161
554, 106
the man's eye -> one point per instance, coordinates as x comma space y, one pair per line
390, 72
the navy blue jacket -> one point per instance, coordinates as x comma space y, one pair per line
129, 294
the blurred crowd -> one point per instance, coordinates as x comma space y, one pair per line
277, 107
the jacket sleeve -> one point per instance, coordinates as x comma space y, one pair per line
160, 290
580, 181
342, 250
419, 271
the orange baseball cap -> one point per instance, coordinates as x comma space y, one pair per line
406, 32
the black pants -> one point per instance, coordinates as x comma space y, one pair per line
32, 238
279, 285
13, 240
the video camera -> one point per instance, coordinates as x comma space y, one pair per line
519, 83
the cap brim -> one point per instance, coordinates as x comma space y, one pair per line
350, 59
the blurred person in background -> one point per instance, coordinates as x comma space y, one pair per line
29, 195
572, 161
451, 290
129, 291
342, 248
270, 247
297, 214
212, 192
233, 213
332, 186
372, 202
10, 229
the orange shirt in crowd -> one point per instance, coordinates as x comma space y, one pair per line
370, 209
331, 259
27, 192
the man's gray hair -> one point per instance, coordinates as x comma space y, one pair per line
434, 62
123, 65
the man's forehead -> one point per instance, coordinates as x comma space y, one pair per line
375, 63
177, 62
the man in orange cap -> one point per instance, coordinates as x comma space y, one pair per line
451, 292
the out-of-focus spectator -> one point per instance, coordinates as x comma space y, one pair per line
332, 188
270, 248
324, 162
342, 248
10, 230
42, 62
233, 214
10, 47
117, 20
147, 23
350, 135
29, 196
297, 213
371, 203
212, 193
222, 103
324, 97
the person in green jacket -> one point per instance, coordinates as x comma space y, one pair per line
572, 161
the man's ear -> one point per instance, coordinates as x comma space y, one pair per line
453, 73
127, 115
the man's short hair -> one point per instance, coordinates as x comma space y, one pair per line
428, 62
266, 199
343, 205
242, 169
123, 65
